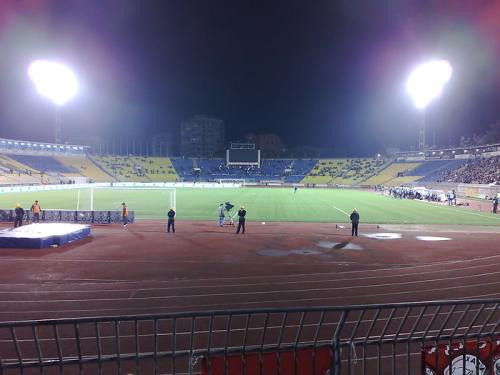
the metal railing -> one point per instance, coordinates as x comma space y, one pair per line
368, 339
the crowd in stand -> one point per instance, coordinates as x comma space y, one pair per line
475, 171
355, 168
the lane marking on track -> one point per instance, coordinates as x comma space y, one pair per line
395, 267
292, 291
177, 308
301, 282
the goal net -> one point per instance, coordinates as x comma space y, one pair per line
239, 181
147, 199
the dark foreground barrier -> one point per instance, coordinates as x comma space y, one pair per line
444, 337
71, 216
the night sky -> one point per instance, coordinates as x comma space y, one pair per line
328, 74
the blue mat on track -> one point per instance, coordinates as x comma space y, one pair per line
41, 236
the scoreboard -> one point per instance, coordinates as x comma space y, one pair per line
243, 157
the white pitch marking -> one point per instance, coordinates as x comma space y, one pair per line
431, 238
383, 236
468, 212
91, 199
341, 210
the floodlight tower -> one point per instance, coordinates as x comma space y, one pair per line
56, 82
425, 84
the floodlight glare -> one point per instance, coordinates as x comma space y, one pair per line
426, 82
53, 80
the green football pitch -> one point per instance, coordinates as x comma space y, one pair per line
262, 204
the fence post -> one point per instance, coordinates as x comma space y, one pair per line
336, 366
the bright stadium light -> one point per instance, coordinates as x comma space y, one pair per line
57, 83
53, 80
425, 84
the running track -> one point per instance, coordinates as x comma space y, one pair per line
141, 269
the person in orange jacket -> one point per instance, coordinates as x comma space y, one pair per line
36, 210
124, 214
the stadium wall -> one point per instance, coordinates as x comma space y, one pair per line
12, 189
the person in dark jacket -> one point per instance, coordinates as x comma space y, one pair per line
241, 221
354, 221
495, 204
18, 220
171, 220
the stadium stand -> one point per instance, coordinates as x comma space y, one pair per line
184, 168
299, 169
138, 168
19, 179
389, 176
42, 163
431, 169
84, 166
14, 166
436, 175
473, 171
285, 170
428, 167
342, 171
13, 172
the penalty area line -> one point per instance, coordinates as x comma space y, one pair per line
341, 210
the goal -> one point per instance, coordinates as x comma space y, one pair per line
240, 181
165, 197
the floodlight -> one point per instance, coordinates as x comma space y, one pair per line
53, 80
426, 82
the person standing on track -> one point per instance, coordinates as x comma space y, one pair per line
35, 209
19, 212
495, 204
241, 221
124, 214
354, 222
171, 220
221, 215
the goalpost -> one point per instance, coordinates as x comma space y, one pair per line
172, 193
240, 181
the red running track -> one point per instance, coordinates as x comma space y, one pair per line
141, 269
